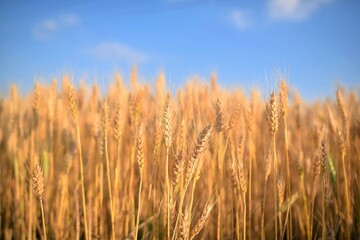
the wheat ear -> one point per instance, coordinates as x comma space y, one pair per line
199, 148
202, 221
39, 186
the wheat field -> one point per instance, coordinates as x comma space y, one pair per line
139, 162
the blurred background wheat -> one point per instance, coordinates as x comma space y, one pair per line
202, 163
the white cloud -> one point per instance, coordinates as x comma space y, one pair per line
116, 51
240, 19
294, 9
45, 29
70, 20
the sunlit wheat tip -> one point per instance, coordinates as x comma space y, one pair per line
73, 101
105, 118
219, 119
178, 167
273, 113
200, 146
323, 156
267, 162
38, 180
35, 98
117, 122
185, 223
140, 151
281, 191
166, 122
341, 143
234, 116
283, 98
202, 221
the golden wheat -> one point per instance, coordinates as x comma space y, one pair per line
195, 167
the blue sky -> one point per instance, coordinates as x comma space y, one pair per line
314, 42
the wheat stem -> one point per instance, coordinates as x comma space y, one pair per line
263, 213
288, 174
82, 180
110, 189
250, 179
274, 172
244, 216
323, 224
138, 211
346, 189
167, 186
43, 218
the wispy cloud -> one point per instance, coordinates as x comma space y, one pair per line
115, 51
69, 20
294, 9
240, 19
45, 29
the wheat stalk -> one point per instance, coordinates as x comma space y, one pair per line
250, 127
267, 166
73, 102
105, 126
235, 186
281, 191
284, 112
323, 169
167, 129
199, 148
243, 188
140, 160
273, 120
342, 151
